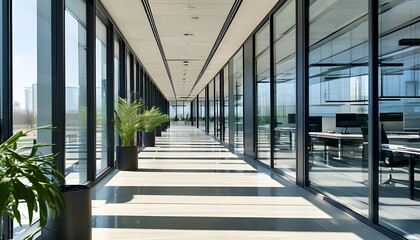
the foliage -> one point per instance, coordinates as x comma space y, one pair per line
29, 177
152, 118
127, 119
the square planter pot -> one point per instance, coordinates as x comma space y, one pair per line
148, 139
127, 158
76, 221
158, 131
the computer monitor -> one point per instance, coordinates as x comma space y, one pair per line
315, 124
391, 117
291, 118
347, 120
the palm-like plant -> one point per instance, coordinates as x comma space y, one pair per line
29, 177
151, 118
128, 120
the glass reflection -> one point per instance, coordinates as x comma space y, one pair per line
338, 98
285, 88
32, 78
101, 103
226, 103
211, 108
217, 117
399, 118
238, 94
76, 100
202, 110
262, 53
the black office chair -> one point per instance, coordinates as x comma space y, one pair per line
387, 158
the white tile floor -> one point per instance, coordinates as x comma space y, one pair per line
189, 187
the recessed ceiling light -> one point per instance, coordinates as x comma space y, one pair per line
188, 34
189, 7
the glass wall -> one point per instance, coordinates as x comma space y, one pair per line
285, 88
76, 100
217, 117
238, 95
129, 93
101, 93
32, 74
202, 110
116, 86
226, 103
338, 101
399, 93
211, 108
262, 62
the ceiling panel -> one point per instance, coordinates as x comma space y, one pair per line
204, 21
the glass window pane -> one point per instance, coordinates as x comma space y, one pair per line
116, 86
262, 63
211, 108
202, 110
399, 118
101, 104
285, 88
226, 103
238, 94
32, 92
76, 100
217, 106
338, 101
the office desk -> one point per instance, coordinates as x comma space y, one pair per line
412, 153
357, 136
337, 136
289, 131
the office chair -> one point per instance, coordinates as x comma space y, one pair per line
387, 158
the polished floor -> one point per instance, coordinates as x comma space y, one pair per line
190, 187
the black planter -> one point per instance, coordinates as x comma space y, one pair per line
158, 131
76, 221
148, 139
127, 158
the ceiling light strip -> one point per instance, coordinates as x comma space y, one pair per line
149, 14
228, 21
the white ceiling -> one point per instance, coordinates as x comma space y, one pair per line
172, 21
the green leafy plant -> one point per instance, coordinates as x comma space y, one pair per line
152, 118
127, 119
28, 177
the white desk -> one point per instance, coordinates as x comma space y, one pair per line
412, 153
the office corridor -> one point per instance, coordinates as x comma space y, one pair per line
191, 187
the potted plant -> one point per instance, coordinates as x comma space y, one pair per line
28, 177
150, 119
128, 121
163, 119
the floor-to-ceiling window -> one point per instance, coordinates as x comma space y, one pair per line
101, 96
262, 62
399, 105
285, 87
129, 93
211, 108
32, 74
226, 103
238, 94
338, 101
217, 117
76, 99
202, 110
116, 86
